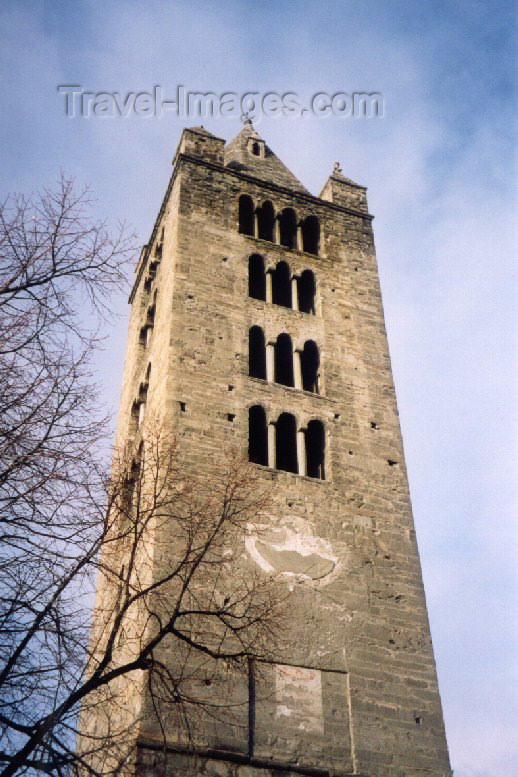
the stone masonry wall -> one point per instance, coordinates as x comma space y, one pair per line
354, 690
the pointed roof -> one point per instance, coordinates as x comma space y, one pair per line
267, 166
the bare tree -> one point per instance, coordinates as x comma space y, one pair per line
175, 601
161, 542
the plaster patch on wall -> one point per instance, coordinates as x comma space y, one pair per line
298, 695
291, 550
282, 710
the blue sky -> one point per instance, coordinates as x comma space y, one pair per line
439, 167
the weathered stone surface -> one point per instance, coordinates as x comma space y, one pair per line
356, 690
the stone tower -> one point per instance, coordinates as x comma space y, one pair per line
258, 307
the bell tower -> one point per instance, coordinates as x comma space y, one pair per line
257, 320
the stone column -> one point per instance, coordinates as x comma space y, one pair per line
297, 369
256, 224
298, 238
271, 445
269, 282
295, 293
270, 363
301, 452
277, 231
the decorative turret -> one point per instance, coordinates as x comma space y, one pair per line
343, 191
197, 141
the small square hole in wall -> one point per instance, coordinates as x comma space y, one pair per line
337, 416
392, 462
224, 260
374, 425
230, 417
230, 387
183, 407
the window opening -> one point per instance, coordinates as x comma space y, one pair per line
283, 361
246, 215
132, 483
311, 235
315, 446
257, 436
310, 362
281, 285
256, 278
266, 221
143, 336
142, 400
286, 443
256, 353
288, 228
306, 288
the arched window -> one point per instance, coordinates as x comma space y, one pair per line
246, 215
256, 353
310, 361
150, 316
288, 228
286, 443
311, 235
142, 400
315, 447
257, 435
266, 221
134, 419
256, 277
151, 275
143, 335
283, 369
256, 149
306, 288
136, 464
281, 285
132, 482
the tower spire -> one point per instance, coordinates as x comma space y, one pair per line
247, 121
